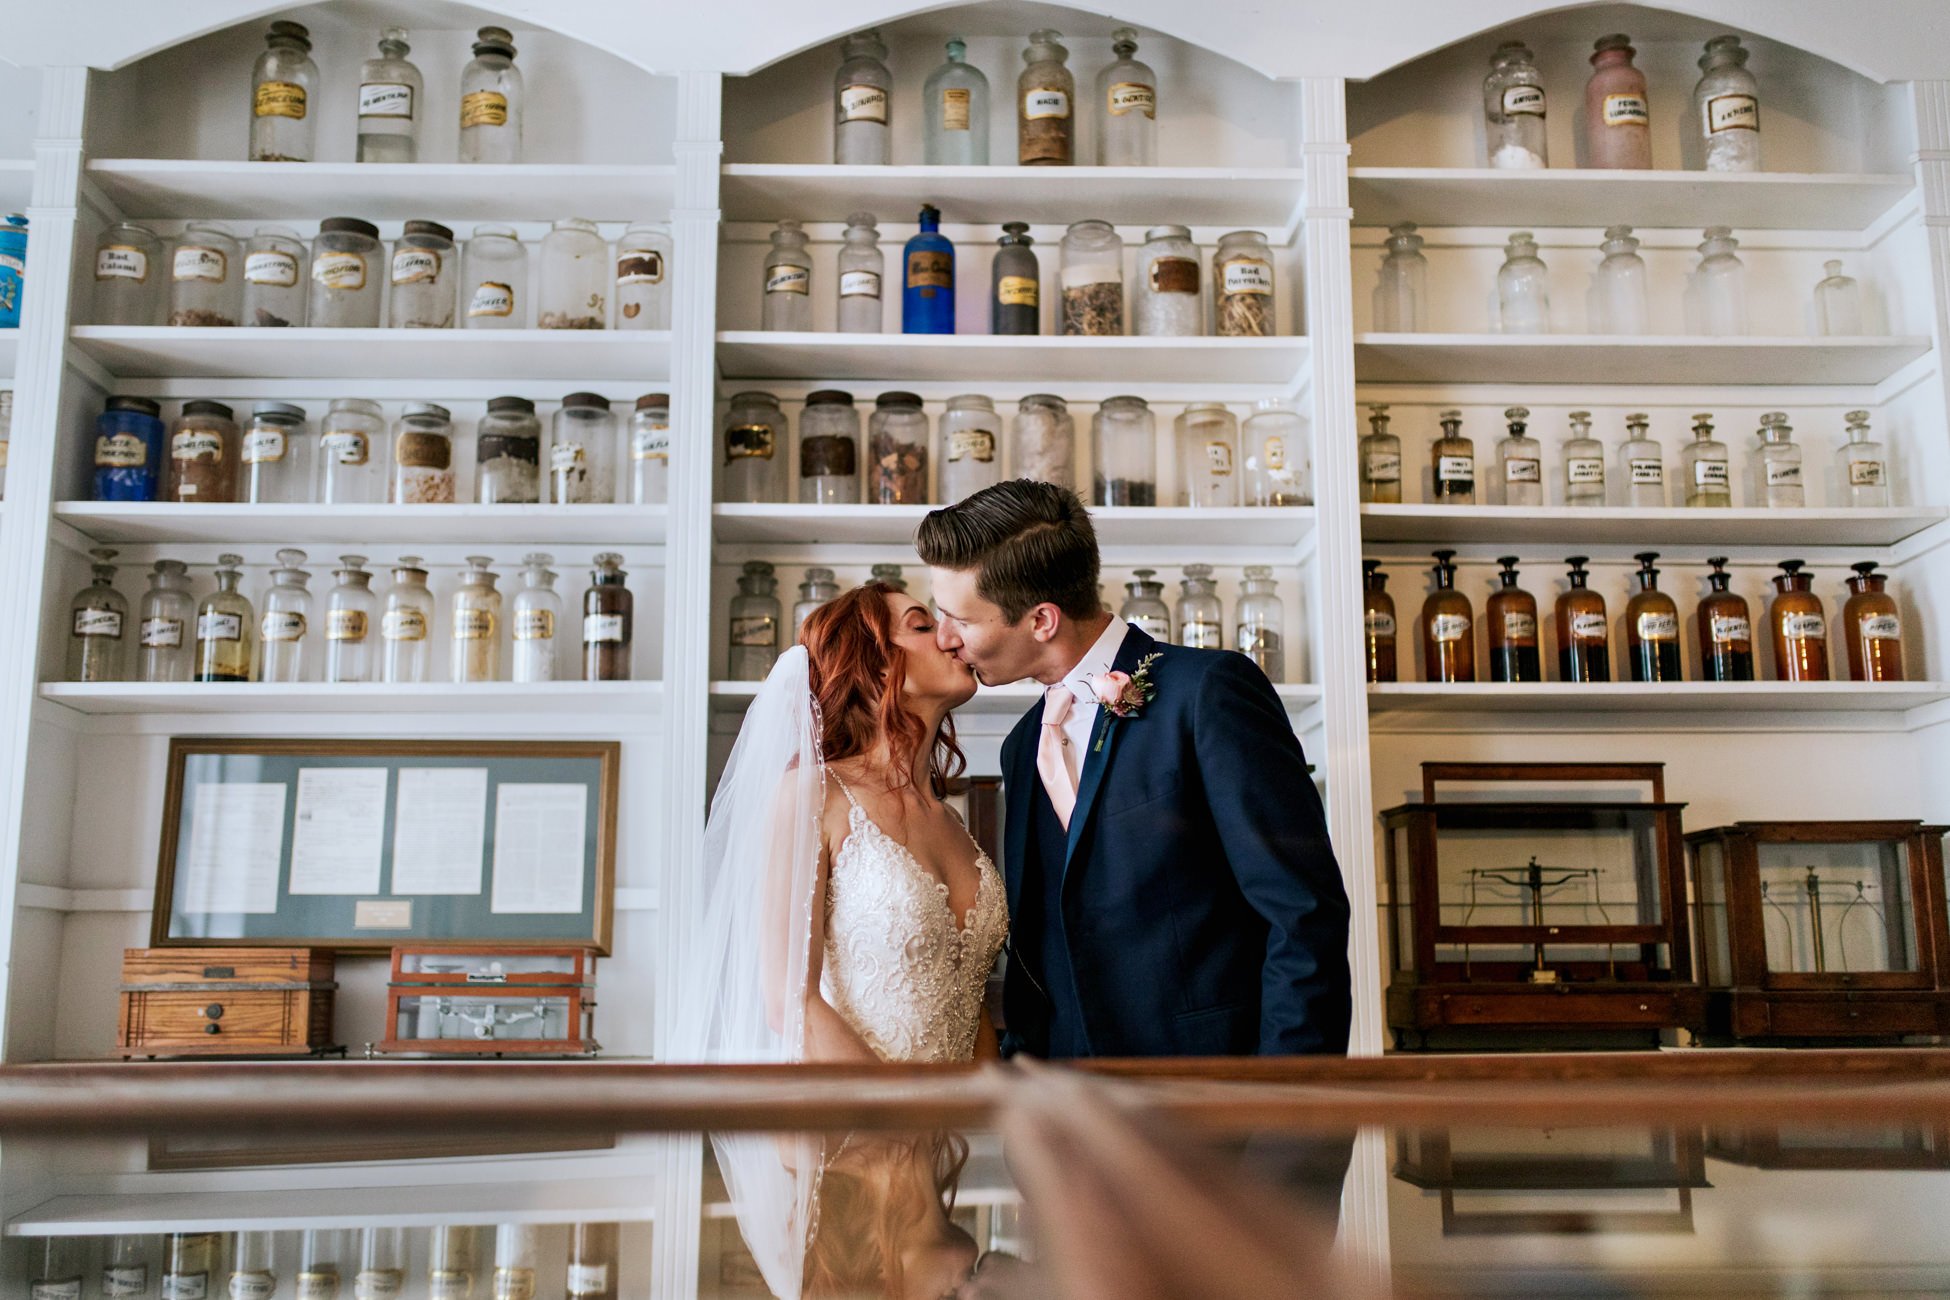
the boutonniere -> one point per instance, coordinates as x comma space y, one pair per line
1124, 695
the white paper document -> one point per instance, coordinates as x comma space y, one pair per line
538, 832
439, 830
339, 833
236, 849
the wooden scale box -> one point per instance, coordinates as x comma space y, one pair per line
226, 1002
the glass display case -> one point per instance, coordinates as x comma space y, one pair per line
1558, 1181
1821, 929
489, 1001
1532, 904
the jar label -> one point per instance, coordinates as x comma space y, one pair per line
971, 444
1865, 473
863, 103
640, 266
930, 268
491, 298
1523, 101
1647, 471
1519, 626
378, 1284
1218, 459
1455, 469
319, 1284
1658, 627
652, 443
120, 262
65, 1289
1275, 454
514, 1284
98, 622
1588, 627
954, 109
1783, 473
534, 625
1045, 101
1523, 469
346, 271
566, 456
602, 628
1732, 113
786, 278
1731, 629
270, 268
195, 444
386, 99
1709, 473
759, 630
1803, 627
125, 1279
1626, 110
1127, 97
588, 1279
279, 99
282, 625
213, 626
749, 441
186, 1286
828, 455
1379, 623
345, 625
345, 447
1449, 627
449, 1284
1386, 466
196, 262
1584, 469
1882, 627
1174, 275
161, 634
263, 446
1246, 275
483, 108
121, 451
416, 265
473, 624
1201, 634
404, 625
1018, 291
1151, 625
1264, 642
253, 1286
859, 284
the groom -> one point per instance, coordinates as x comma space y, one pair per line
1172, 891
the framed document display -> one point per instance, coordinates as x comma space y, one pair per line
360, 845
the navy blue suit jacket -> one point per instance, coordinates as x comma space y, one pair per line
1203, 910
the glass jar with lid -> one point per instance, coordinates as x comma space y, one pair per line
1242, 286
1208, 455
351, 439
1126, 437
538, 609
166, 625
494, 280
1043, 440
861, 267
508, 453
276, 463
206, 284
285, 628
1523, 288
423, 455
582, 452
1127, 107
1093, 279
130, 450
1165, 299
574, 293
1726, 108
889, 574
406, 627
390, 91
491, 100
1401, 289
128, 276
351, 623
1144, 605
282, 86
788, 280
608, 622
276, 284
650, 450
897, 451
643, 277
345, 278
754, 450
754, 633
1201, 617
1278, 455
955, 112
226, 628
829, 449
203, 455
477, 624
98, 626
1513, 110
424, 272
1046, 95
970, 453
862, 107
818, 588
1261, 617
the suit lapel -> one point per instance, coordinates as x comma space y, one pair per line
1104, 735
1018, 788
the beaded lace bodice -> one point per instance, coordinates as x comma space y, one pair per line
898, 967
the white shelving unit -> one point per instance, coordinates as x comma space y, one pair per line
1598, 359
756, 355
162, 523
157, 351
1648, 526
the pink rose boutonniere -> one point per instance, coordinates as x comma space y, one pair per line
1124, 695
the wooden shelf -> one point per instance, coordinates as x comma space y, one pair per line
1116, 526
730, 697
1612, 359
1668, 706
159, 352
1646, 526
309, 525
759, 354
484, 698
1472, 196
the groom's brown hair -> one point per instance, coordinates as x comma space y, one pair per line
1028, 542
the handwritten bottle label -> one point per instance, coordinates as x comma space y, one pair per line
378, 1284
1045, 101
1523, 469
386, 99
1732, 113
859, 284
67, 1288
283, 625
120, 262
1866, 473
1803, 627
588, 1279
185, 1286
263, 446
1126, 97
930, 268
598, 628
404, 625
1018, 291
342, 271
196, 262
1646, 471
1731, 629
1449, 627
159, 634
1658, 627
534, 625
972, 444
1709, 473
483, 108
1379, 623
954, 109
1519, 627
121, 451
863, 104
126, 1279
416, 265
1203, 634
1386, 467
1523, 101
1249, 275
345, 625
254, 1285
1783, 473
1274, 454
1882, 627
195, 444
345, 447
1626, 110
650, 443
279, 99
213, 626
1588, 627
1218, 459
98, 622
759, 630
1455, 469
1584, 469
270, 269
473, 624
318, 1284
491, 298
785, 278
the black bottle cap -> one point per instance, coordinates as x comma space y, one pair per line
1577, 563
429, 228
1372, 576
829, 397
1445, 568
1016, 232
930, 213
1792, 567
348, 226
140, 405
1866, 568
1719, 578
1509, 563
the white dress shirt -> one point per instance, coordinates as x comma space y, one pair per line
1095, 663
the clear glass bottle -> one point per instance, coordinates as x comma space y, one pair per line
574, 293
277, 278
1838, 303
406, 628
1043, 440
253, 1267
128, 276
322, 1263
650, 450
1278, 455
424, 273
969, 451
1125, 434
1127, 107
491, 100
1523, 288
1705, 467
1045, 103
1798, 625
891, 575
508, 453
126, 1267
189, 1259
98, 620
897, 451
582, 452
206, 282
1201, 615
1861, 471
166, 623
1641, 464
1584, 464
1618, 301
1015, 284
862, 265
1448, 627
955, 112
382, 1264
494, 283
1144, 605
928, 278
643, 277
829, 449
754, 450
1207, 435
1726, 108
452, 1264
1520, 458
351, 623
285, 627
1165, 297
538, 609
517, 1251
1583, 630
608, 622
276, 459
754, 636
818, 588
788, 280
1261, 618
862, 102
1874, 627
1726, 631
423, 455
1652, 627
477, 624
1718, 292
1242, 286
203, 454
1777, 467
592, 1272
1401, 291
1510, 617
282, 86
389, 103
351, 453
1381, 460
226, 630
57, 1269
1513, 110
345, 275
1617, 113
1093, 279
1452, 458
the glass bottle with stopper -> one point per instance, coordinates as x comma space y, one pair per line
1862, 472
1521, 460
98, 626
1873, 626
1838, 303
351, 621
1015, 283
1705, 468
1798, 625
406, 628
1127, 107
476, 648
1513, 110
1652, 627
1726, 108
1583, 631
928, 278
226, 628
1726, 629
282, 86
788, 280
491, 100
1377, 622
862, 101
608, 622
1448, 627
1262, 622
861, 266
1523, 288
389, 102
1045, 96
1512, 617
1718, 292
1453, 458
818, 588
1144, 606
537, 614
1584, 464
1617, 111
1381, 460
754, 637
1618, 299
889, 574
167, 625
1201, 616
955, 112
1401, 290
1643, 462
285, 628
1777, 468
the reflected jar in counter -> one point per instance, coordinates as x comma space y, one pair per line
1043, 440
494, 280
508, 453
650, 450
608, 622
206, 283
276, 462
351, 468
643, 277
1126, 438
424, 272
423, 456
897, 451
345, 275
829, 450
574, 293
203, 455
1165, 301
275, 283
582, 452
130, 450
1242, 286
755, 431
129, 276
970, 453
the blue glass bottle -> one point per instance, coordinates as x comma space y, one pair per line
928, 279
13, 267
129, 450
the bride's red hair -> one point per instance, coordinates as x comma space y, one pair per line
856, 672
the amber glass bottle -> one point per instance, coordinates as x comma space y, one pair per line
1512, 616
1452, 457
1652, 627
1583, 631
1799, 629
1726, 631
1448, 628
1873, 627
1378, 616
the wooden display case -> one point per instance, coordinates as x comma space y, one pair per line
226, 1002
490, 1000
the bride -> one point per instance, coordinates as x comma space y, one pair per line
849, 915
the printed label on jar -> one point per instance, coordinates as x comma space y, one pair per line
1455, 469
1584, 469
318, 1285
1865, 473
194, 444
378, 1284
1803, 627
1018, 291
1519, 627
473, 624
1647, 472
1200, 634
186, 1286
566, 456
1783, 473
1730, 629
416, 265
1523, 101
863, 104
652, 443
271, 269
930, 268
121, 451
1626, 110
588, 1279
162, 633
1152, 626
282, 625
491, 298
1882, 627
640, 266
1379, 623
345, 625
345, 447
212, 626
954, 110
534, 625
1732, 113
1386, 466
788, 279
1274, 453
514, 1284
195, 262
279, 99
1709, 473
1263, 642
120, 262
1523, 470
1658, 627
1218, 459
1449, 627
859, 284
602, 628
253, 1286
1045, 101
1588, 627
404, 625
125, 1280
449, 1284
263, 446
1128, 97
749, 441
98, 622
759, 630
1174, 275
65, 1289
971, 444
385, 99
1246, 275
346, 271
483, 108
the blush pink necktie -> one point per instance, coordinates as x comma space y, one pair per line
1050, 764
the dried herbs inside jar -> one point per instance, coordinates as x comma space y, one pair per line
1093, 280
897, 447
1243, 283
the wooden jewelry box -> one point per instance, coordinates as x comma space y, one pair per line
226, 1002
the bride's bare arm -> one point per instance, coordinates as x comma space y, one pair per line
987, 1047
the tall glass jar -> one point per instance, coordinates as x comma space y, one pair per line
1166, 302
351, 623
1584, 464
1401, 291
1838, 303
955, 112
575, 277
390, 89
282, 86
477, 624
1261, 634
206, 283
1652, 627
1643, 462
1127, 107
1726, 108
1726, 631
970, 452
1583, 630
1378, 629
861, 267
345, 275
189, 1260
276, 278
1125, 435
351, 461
643, 277
203, 454
754, 633
508, 453
1242, 286
1523, 288
1381, 460
897, 451
226, 628
862, 101
1278, 455
1144, 605
494, 283
406, 628
1617, 114
130, 450
1618, 302
1207, 435
582, 452
650, 450
818, 588
423, 456
285, 628
424, 274
1708, 482
1777, 467
1015, 284
1510, 616
889, 574
1520, 460
1452, 458
1043, 441
128, 276
538, 609
1718, 292
1861, 468
788, 280
98, 626
608, 622
1201, 616
754, 450
1872, 627
1093, 279
491, 100
166, 625
1045, 102
276, 461
1798, 625
1513, 110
